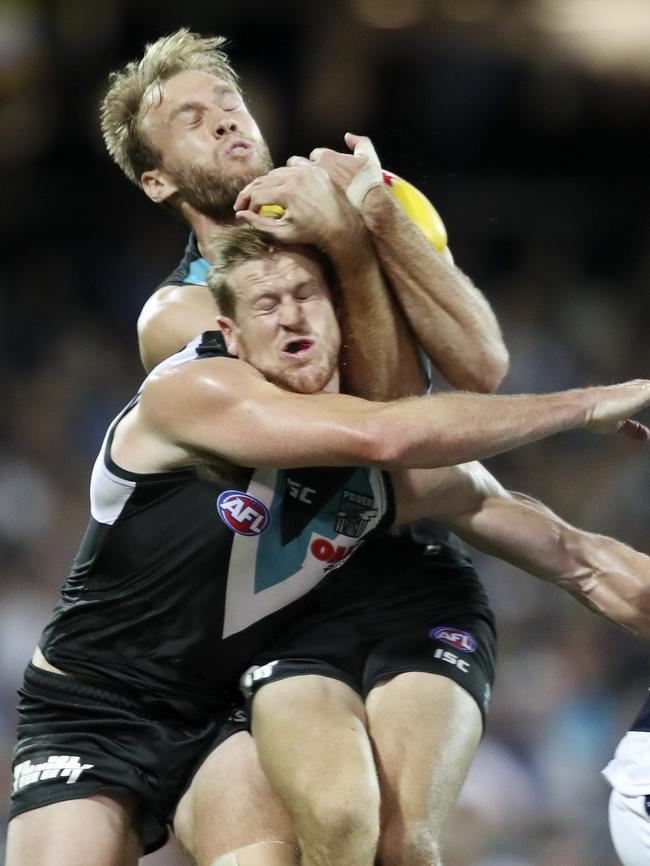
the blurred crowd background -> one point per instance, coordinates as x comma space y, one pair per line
527, 122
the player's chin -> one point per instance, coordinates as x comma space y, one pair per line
304, 381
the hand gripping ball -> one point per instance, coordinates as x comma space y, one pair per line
414, 203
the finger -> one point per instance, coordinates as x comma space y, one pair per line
255, 197
241, 203
254, 219
294, 161
318, 152
351, 139
634, 430
243, 199
364, 147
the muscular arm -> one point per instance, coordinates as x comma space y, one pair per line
606, 576
451, 318
379, 358
223, 408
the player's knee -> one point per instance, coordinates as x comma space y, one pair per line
415, 844
352, 823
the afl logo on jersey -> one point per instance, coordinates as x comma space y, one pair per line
242, 513
459, 639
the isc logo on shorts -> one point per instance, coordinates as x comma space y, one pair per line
242, 513
461, 640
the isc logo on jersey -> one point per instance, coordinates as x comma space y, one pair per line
242, 513
461, 640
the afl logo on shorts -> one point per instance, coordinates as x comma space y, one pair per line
460, 640
242, 513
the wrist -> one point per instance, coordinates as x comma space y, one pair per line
346, 238
379, 210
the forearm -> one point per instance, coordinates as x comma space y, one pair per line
450, 317
605, 575
204, 407
448, 429
379, 357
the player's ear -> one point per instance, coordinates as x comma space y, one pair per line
230, 333
157, 185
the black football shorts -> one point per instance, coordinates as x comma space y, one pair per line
76, 739
395, 607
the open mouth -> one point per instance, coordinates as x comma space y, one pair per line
295, 347
238, 148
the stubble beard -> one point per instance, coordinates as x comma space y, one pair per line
306, 380
213, 192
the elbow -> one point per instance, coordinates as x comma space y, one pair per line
387, 444
488, 372
494, 372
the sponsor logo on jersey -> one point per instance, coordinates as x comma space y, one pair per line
325, 550
242, 513
355, 513
452, 659
461, 640
68, 767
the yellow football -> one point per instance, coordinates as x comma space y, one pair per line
271, 210
418, 207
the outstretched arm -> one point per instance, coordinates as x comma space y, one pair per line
451, 318
224, 408
605, 575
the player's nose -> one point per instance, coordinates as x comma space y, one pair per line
291, 314
224, 125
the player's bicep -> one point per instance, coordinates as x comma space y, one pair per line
226, 409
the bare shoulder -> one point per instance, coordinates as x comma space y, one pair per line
172, 317
187, 294
204, 387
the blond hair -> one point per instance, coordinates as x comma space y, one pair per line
231, 247
236, 244
121, 109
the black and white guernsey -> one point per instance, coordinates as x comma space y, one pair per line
180, 580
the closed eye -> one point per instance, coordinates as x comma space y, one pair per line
265, 305
305, 293
231, 101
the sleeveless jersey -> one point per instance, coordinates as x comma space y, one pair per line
180, 580
192, 268
629, 770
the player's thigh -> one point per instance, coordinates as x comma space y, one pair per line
93, 831
629, 824
425, 729
311, 733
230, 805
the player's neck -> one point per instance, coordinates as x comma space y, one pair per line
205, 228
